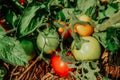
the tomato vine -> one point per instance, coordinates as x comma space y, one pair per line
50, 26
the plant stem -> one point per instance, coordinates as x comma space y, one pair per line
114, 19
10, 31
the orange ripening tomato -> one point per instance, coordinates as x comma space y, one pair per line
84, 29
62, 29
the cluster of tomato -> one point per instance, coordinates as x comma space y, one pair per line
48, 41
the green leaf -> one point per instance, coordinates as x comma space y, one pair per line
110, 11
113, 39
2, 31
31, 19
87, 70
65, 13
101, 37
86, 6
30, 1
11, 52
11, 17
3, 72
109, 39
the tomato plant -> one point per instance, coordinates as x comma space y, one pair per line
48, 40
79, 18
59, 66
28, 48
89, 50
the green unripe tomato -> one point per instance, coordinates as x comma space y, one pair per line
90, 50
28, 48
48, 40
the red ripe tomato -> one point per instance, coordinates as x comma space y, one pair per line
22, 2
59, 66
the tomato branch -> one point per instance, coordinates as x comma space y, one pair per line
10, 31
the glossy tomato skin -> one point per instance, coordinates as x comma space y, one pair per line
28, 48
59, 66
22, 2
84, 30
48, 40
90, 50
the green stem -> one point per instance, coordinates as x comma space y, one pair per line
114, 19
10, 31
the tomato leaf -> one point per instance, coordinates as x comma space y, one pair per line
31, 19
86, 6
30, 1
11, 17
65, 13
107, 12
101, 37
110, 11
11, 52
2, 31
88, 70
113, 39
3, 72
109, 39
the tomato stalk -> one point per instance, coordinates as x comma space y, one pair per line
10, 31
